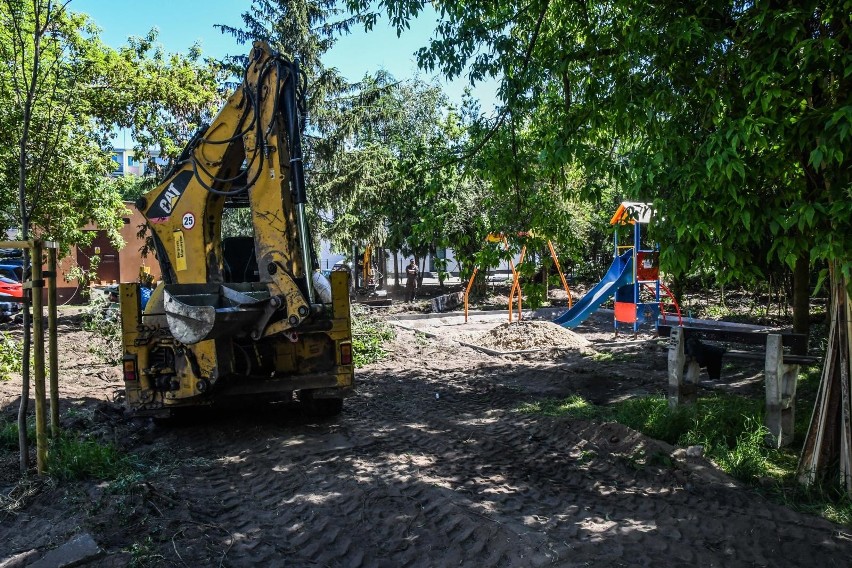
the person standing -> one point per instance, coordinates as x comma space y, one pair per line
411, 280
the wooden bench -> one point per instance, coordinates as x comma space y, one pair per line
781, 370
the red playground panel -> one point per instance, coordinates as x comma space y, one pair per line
625, 312
647, 265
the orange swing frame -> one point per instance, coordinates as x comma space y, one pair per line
516, 280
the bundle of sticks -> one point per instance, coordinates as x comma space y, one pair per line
827, 452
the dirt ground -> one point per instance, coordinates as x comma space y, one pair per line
430, 464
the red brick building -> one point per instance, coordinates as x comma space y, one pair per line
114, 266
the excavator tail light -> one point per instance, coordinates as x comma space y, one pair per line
346, 353
129, 368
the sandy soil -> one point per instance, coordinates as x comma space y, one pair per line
430, 464
522, 335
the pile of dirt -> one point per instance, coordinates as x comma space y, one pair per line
522, 335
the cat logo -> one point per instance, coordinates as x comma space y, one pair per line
165, 203
169, 198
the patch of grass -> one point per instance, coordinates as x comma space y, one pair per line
9, 434
574, 407
73, 457
651, 416
586, 456
610, 357
806, 392
730, 428
144, 554
368, 336
718, 312
603, 357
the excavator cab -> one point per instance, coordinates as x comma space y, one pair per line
245, 315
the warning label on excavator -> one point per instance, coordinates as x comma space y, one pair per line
180, 251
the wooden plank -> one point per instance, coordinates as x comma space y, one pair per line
845, 401
821, 442
757, 356
16, 244
797, 342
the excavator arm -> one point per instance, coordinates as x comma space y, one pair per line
251, 150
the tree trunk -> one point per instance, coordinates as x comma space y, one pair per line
25, 235
801, 294
396, 268
382, 265
354, 273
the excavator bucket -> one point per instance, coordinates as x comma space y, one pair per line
196, 312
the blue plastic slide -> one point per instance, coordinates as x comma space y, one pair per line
620, 273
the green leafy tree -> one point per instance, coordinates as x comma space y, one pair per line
61, 93
732, 116
372, 151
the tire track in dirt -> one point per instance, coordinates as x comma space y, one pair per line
380, 504
405, 479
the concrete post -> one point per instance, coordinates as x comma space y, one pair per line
682, 387
780, 394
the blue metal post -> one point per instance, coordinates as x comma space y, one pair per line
637, 235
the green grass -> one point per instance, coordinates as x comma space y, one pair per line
731, 430
368, 337
9, 434
574, 406
603, 357
72, 456
144, 554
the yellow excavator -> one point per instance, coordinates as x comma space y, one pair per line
248, 316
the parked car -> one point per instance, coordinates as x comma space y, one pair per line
11, 271
9, 287
8, 310
11, 257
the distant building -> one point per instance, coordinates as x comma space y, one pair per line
127, 163
113, 265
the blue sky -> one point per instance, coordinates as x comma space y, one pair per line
183, 22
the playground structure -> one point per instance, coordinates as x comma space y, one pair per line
515, 291
633, 268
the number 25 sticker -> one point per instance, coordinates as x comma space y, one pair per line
188, 221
